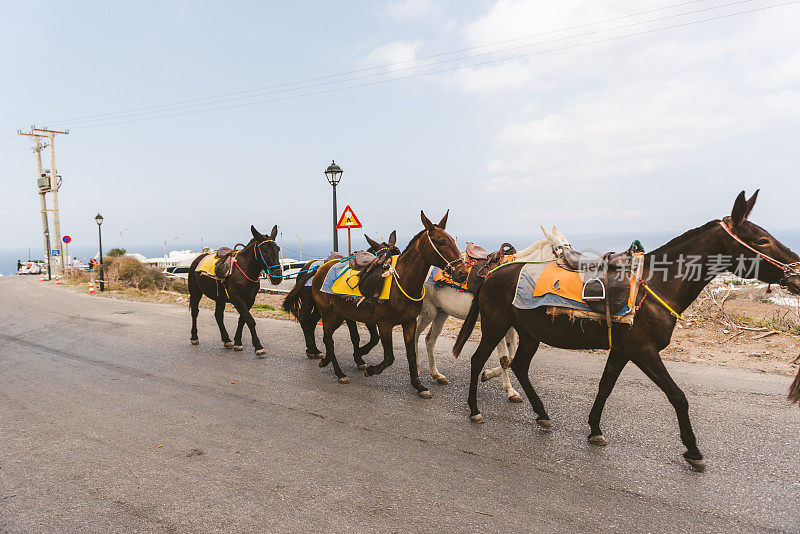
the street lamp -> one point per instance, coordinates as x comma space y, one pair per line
334, 173
99, 220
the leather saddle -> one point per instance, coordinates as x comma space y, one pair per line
606, 283
371, 271
476, 252
224, 265
479, 271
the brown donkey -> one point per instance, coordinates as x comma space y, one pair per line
733, 237
432, 246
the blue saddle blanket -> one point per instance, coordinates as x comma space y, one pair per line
314, 266
336, 270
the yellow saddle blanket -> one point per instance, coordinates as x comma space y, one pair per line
207, 264
342, 280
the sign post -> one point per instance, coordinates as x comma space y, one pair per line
66, 239
348, 221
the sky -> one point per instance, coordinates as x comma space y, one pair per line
601, 116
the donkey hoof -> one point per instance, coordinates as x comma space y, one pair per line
477, 418
544, 423
229, 344
598, 440
697, 465
362, 366
441, 380
313, 355
425, 394
514, 398
261, 352
323, 362
238, 348
344, 380
195, 341
483, 376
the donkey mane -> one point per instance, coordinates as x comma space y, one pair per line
413, 239
681, 239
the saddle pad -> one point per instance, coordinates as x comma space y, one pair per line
437, 277
548, 284
341, 277
314, 265
207, 264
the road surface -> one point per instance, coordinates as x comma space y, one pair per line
111, 421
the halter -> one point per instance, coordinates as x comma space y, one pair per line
261, 257
789, 269
263, 262
447, 263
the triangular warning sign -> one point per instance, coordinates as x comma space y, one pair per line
348, 219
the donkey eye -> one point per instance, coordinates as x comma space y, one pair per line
763, 241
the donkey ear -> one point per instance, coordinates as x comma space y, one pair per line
426, 222
372, 242
255, 232
751, 203
443, 223
274, 233
739, 211
393, 238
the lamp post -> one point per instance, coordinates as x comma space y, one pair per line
99, 220
334, 173
47, 238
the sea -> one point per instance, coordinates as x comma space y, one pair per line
319, 248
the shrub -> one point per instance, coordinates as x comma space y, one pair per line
114, 252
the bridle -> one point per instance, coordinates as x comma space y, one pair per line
789, 269
266, 268
448, 264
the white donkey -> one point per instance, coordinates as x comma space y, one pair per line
440, 302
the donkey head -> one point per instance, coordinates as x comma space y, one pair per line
389, 246
440, 250
767, 247
266, 251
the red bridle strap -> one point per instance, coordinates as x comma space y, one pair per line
780, 265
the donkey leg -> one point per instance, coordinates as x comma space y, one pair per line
512, 394
650, 363
385, 330
374, 338
237, 338
355, 340
244, 314
331, 320
505, 351
477, 362
219, 315
430, 344
520, 365
614, 365
308, 323
194, 306
409, 336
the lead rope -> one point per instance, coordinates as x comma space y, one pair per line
396, 276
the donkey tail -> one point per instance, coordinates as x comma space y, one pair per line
469, 324
794, 390
294, 299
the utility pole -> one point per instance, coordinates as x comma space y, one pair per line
51, 135
38, 147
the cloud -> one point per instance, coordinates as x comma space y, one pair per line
396, 53
604, 114
409, 9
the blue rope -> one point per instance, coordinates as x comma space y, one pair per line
310, 270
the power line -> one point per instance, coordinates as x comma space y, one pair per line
472, 65
215, 99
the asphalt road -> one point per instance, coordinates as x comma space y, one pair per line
111, 421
